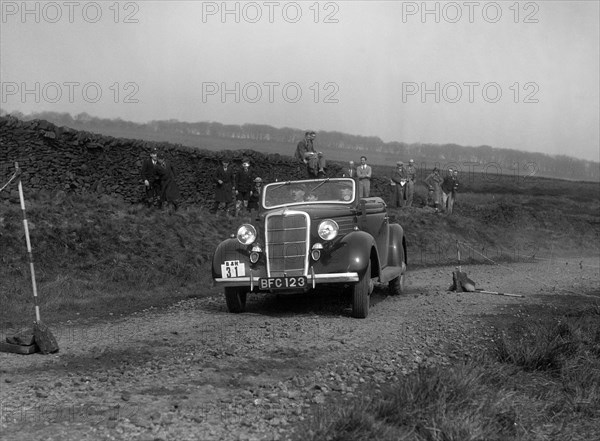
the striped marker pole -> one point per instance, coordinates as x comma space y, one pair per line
35, 296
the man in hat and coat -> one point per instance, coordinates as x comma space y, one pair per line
169, 193
399, 177
434, 181
411, 174
254, 198
244, 181
151, 178
224, 184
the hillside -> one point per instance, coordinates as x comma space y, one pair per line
338, 146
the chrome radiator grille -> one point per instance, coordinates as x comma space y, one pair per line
287, 236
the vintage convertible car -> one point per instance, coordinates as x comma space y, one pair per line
310, 234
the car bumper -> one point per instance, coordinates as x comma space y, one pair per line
313, 280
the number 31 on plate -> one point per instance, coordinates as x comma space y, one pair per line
233, 268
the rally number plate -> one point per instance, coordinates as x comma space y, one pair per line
233, 268
283, 282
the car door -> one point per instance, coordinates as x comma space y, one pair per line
374, 220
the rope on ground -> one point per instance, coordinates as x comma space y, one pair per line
576, 258
526, 276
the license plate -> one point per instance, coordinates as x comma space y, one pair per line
283, 282
233, 268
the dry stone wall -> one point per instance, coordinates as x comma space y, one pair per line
59, 158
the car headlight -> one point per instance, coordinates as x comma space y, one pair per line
328, 229
246, 234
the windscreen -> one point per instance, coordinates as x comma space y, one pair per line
319, 191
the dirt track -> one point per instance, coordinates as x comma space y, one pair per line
194, 371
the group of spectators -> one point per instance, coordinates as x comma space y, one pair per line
442, 191
159, 181
244, 183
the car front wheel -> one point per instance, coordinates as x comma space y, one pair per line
235, 297
360, 295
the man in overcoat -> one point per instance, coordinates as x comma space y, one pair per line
151, 178
224, 185
411, 174
434, 181
244, 181
399, 177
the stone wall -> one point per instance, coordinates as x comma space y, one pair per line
59, 158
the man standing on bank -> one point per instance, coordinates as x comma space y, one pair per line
151, 179
224, 182
350, 172
411, 174
450, 187
363, 174
244, 181
399, 177
169, 193
434, 181
306, 154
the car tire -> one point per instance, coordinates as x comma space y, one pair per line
235, 298
396, 285
360, 295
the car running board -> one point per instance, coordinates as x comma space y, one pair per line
390, 273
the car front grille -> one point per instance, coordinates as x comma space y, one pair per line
287, 236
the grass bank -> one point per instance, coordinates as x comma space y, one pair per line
96, 256
539, 380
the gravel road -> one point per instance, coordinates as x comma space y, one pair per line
195, 372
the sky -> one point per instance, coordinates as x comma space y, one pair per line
510, 74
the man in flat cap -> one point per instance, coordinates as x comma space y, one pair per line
399, 177
151, 178
306, 153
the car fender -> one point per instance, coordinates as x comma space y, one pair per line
360, 245
229, 249
397, 246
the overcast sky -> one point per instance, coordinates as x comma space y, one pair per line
520, 75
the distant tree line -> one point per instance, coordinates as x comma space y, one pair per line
342, 145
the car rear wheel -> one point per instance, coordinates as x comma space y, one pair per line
397, 285
360, 295
235, 297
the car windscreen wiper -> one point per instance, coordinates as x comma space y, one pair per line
275, 187
320, 184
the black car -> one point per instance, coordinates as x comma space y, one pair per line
309, 234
